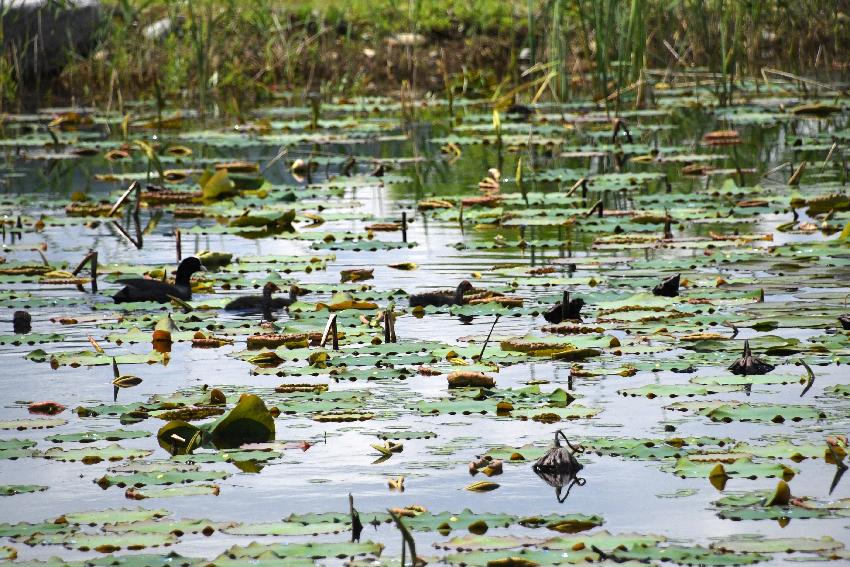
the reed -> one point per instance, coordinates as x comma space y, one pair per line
225, 56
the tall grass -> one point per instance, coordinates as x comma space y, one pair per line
617, 40
224, 56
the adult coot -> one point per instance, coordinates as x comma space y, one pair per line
144, 289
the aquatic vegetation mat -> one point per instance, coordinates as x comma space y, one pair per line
320, 340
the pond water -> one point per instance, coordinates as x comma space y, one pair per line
652, 379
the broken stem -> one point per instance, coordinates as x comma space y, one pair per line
404, 226
487, 340
91, 260
407, 539
134, 186
356, 524
811, 378
330, 327
580, 183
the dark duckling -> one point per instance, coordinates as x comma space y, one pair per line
519, 112
143, 289
22, 322
264, 302
441, 298
566, 309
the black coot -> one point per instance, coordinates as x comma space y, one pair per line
143, 289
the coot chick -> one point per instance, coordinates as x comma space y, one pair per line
143, 289
441, 298
22, 322
566, 309
265, 302
519, 111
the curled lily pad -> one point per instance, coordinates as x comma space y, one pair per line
249, 422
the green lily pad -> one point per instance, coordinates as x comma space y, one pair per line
103, 543
677, 390
91, 455
194, 489
742, 468
763, 413
777, 545
288, 529
112, 516
310, 550
159, 478
97, 435
12, 489
17, 448
36, 423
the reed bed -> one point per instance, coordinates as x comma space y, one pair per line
228, 55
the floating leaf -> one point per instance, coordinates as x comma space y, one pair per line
12, 489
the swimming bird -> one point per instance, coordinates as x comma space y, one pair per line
144, 289
264, 302
441, 298
566, 309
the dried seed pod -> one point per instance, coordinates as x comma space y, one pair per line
749, 365
558, 467
668, 287
559, 458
